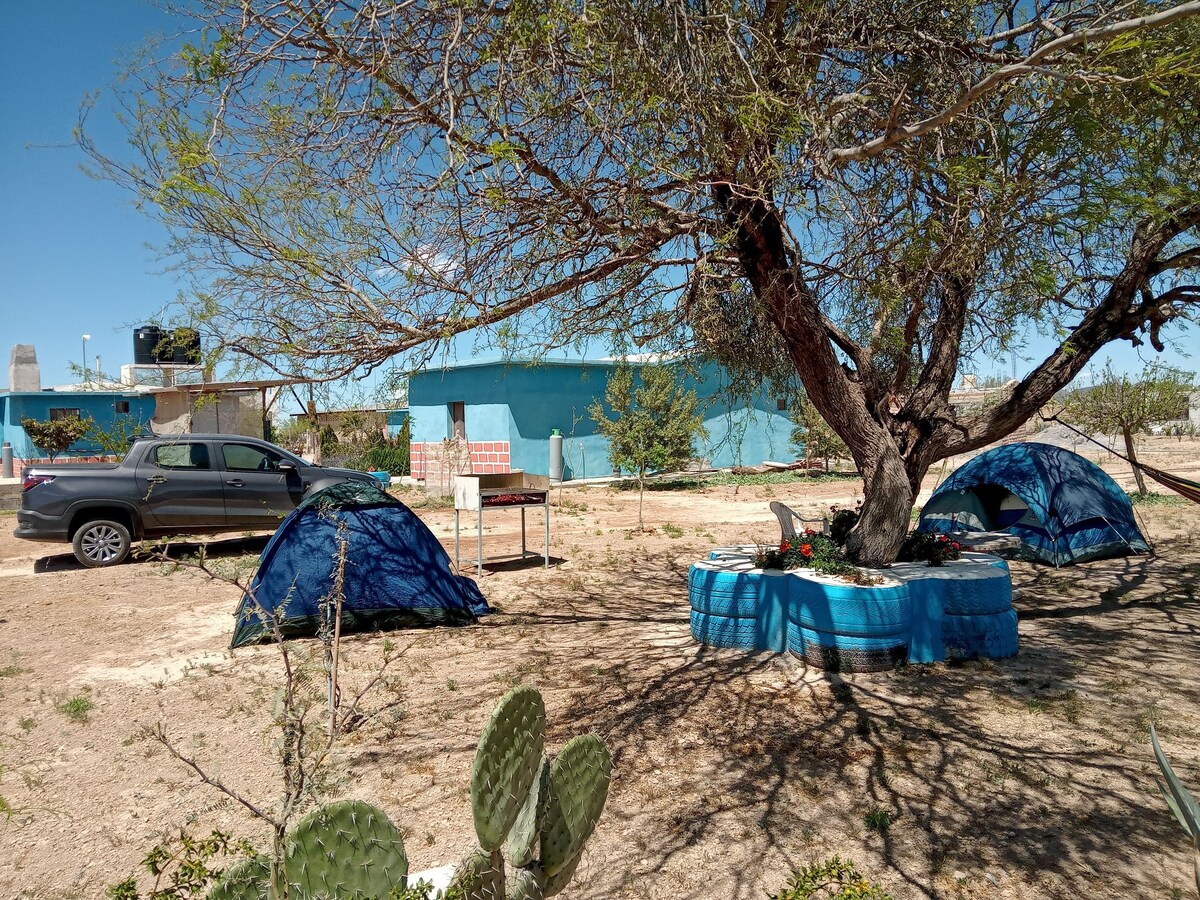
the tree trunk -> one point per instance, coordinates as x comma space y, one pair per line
1132, 454
888, 501
641, 492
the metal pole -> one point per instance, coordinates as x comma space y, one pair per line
456, 539
83, 343
546, 564
480, 533
522, 532
6, 461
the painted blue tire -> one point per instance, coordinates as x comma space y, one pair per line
977, 597
991, 636
863, 612
722, 631
847, 653
730, 606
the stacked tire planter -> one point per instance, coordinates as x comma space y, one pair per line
916, 614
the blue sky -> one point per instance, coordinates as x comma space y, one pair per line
76, 257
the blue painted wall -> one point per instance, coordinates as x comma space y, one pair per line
522, 402
99, 405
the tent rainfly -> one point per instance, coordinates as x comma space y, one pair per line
1064, 508
397, 575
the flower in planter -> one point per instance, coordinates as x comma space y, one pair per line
806, 550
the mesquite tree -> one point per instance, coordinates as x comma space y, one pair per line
1119, 404
856, 196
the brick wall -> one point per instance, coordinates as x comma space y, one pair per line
487, 457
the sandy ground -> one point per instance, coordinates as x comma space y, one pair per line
1022, 778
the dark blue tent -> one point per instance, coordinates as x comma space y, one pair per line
397, 575
1064, 508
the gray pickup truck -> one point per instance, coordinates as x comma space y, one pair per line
182, 484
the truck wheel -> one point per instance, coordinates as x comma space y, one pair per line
101, 542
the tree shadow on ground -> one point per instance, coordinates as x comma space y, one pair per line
716, 745
151, 552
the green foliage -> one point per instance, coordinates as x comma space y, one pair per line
116, 439
930, 548
77, 708
813, 433
182, 867
1121, 404
656, 421
1137, 498
878, 819
1179, 800
833, 879
56, 435
815, 551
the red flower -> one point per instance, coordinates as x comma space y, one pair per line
785, 547
806, 549
954, 544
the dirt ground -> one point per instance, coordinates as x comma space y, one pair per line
1028, 777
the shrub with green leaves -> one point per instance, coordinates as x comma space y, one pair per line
932, 549
833, 879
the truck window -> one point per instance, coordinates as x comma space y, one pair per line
244, 458
181, 456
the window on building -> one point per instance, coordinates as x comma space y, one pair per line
458, 420
57, 413
121, 406
781, 404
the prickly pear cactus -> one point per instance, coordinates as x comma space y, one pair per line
345, 849
245, 881
579, 779
523, 838
481, 876
507, 762
525, 884
555, 883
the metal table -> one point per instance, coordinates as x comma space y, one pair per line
496, 498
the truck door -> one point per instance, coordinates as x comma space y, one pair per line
257, 492
181, 486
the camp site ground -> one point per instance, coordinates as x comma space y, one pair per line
1029, 777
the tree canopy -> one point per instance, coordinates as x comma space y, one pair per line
1119, 404
856, 196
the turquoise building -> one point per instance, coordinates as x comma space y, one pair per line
106, 408
506, 412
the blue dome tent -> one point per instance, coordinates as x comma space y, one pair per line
397, 575
1064, 508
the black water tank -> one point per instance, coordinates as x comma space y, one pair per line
185, 345
148, 345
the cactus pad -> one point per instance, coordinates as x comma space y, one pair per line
247, 880
560, 879
523, 837
506, 764
345, 849
481, 876
525, 884
579, 778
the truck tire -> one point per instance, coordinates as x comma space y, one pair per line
101, 542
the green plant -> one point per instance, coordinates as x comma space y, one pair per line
673, 531
27, 723
116, 439
655, 422
543, 809
54, 436
878, 819
181, 866
1180, 802
933, 549
77, 708
815, 551
833, 879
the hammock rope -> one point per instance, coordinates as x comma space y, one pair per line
1181, 486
